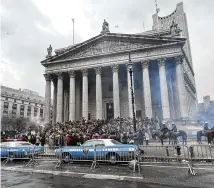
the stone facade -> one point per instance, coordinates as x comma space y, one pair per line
92, 80
23, 103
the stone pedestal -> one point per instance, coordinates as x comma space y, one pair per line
146, 89
85, 94
59, 98
116, 92
99, 109
164, 90
72, 96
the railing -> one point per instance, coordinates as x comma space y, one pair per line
192, 157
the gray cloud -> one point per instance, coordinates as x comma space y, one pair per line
26, 33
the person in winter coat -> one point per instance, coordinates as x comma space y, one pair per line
147, 137
68, 139
61, 140
42, 140
33, 139
37, 140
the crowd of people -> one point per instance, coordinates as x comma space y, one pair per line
77, 132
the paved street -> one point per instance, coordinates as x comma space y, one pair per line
17, 179
80, 175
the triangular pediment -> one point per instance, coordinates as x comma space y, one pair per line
106, 44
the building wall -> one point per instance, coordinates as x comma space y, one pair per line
163, 23
22, 104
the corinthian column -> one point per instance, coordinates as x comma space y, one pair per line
147, 89
85, 93
181, 88
72, 96
99, 108
164, 89
59, 97
116, 91
47, 98
54, 99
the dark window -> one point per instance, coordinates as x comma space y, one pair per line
14, 100
138, 113
23, 102
22, 107
14, 106
6, 98
6, 104
89, 116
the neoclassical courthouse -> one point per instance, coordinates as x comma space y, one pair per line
91, 79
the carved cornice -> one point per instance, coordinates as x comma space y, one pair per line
114, 68
179, 59
161, 62
47, 77
145, 64
72, 73
84, 72
98, 70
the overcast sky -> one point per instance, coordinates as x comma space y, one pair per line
29, 26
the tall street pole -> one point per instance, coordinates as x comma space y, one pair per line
130, 67
73, 30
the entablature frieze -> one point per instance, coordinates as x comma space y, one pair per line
189, 83
108, 60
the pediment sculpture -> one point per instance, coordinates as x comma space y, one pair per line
174, 30
105, 27
49, 50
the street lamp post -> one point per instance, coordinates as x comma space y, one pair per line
130, 68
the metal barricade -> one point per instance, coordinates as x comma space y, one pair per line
172, 155
74, 154
201, 155
116, 155
17, 153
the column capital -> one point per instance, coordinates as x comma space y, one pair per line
145, 64
47, 77
114, 68
84, 72
72, 73
161, 62
59, 75
179, 59
98, 70
53, 78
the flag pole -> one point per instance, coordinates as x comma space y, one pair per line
73, 30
